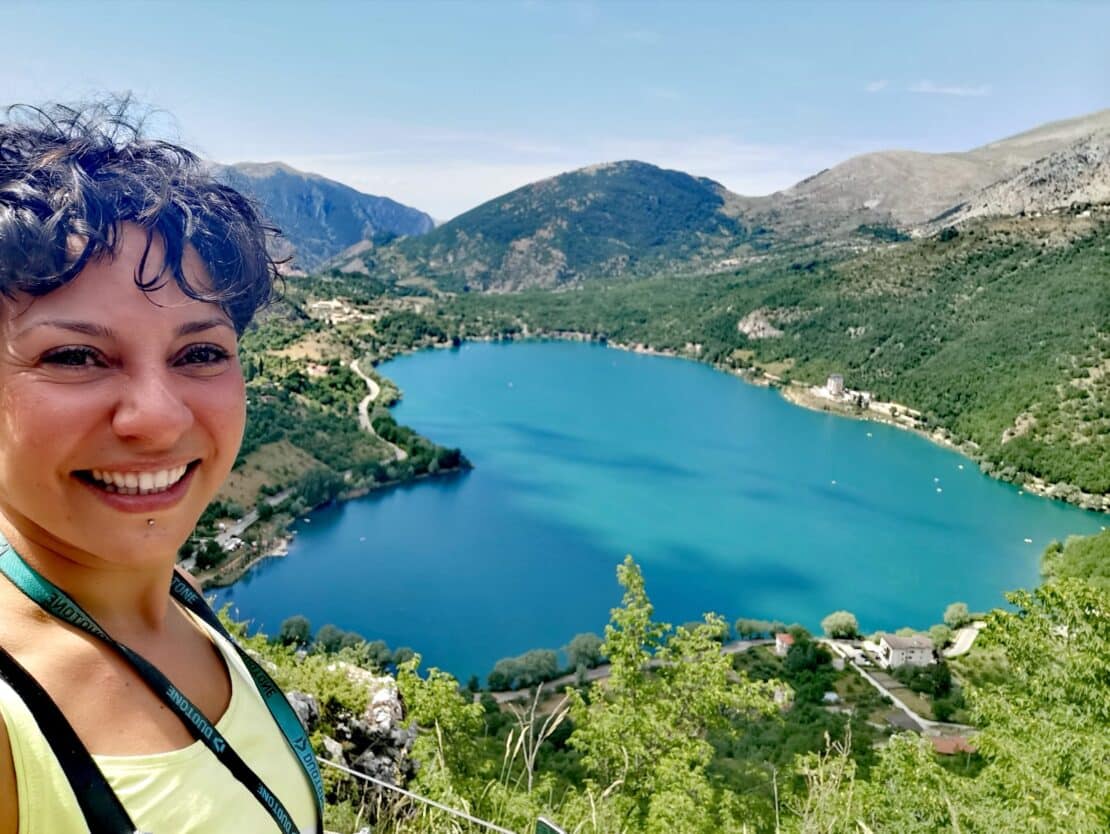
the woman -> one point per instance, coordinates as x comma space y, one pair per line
127, 277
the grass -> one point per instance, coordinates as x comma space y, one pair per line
277, 464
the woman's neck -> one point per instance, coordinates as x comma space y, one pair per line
127, 601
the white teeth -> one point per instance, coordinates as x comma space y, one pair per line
139, 483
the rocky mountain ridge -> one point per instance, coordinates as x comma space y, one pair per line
632, 218
906, 189
320, 217
1076, 175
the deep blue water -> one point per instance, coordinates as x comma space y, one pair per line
731, 499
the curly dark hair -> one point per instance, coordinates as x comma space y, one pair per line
77, 173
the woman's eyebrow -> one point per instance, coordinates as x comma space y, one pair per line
86, 328
204, 324
99, 331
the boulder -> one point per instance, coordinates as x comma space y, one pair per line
308, 711
333, 750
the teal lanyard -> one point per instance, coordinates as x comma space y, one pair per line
55, 601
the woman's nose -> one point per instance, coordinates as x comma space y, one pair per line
152, 407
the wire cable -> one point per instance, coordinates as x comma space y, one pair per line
417, 797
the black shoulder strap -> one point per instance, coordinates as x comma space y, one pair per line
102, 809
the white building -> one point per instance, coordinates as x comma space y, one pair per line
783, 642
835, 385
902, 651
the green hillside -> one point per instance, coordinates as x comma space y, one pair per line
606, 220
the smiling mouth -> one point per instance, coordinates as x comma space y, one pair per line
135, 483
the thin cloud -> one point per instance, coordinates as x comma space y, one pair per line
930, 88
876, 86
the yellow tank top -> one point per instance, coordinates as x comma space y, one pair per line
180, 792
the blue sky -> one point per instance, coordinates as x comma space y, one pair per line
445, 105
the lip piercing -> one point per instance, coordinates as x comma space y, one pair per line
150, 522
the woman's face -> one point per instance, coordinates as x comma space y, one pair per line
118, 407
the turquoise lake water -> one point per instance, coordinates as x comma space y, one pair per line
731, 499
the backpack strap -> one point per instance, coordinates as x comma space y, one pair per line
103, 811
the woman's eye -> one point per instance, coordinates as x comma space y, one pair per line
73, 357
203, 355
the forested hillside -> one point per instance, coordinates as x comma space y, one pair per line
622, 218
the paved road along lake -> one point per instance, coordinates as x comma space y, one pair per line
731, 499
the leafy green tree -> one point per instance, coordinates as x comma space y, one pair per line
1081, 557
329, 638
941, 635
840, 624
378, 654
402, 655
644, 733
295, 631
504, 674
583, 651
209, 554
351, 640
956, 615
537, 666
318, 486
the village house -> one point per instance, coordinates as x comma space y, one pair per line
906, 651
783, 642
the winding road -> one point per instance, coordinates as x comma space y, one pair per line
364, 423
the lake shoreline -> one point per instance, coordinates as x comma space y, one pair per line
797, 393
277, 547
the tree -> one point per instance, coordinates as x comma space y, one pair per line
329, 638
209, 554
643, 735
318, 486
747, 628
537, 666
295, 631
351, 640
378, 653
584, 650
840, 624
956, 615
941, 635
504, 674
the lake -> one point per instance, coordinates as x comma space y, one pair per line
731, 499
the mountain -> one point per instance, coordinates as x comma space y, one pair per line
907, 188
605, 220
318, 216
633, 218
1078, 174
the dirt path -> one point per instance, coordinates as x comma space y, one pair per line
399, 454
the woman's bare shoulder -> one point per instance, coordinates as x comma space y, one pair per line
9, 809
